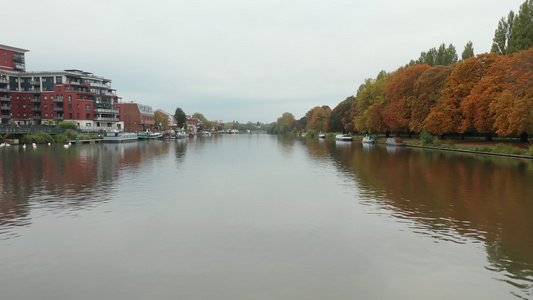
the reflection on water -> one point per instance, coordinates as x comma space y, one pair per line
263, 214
450, 197
64, 180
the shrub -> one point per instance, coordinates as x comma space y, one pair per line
529, 151
68, 135
428, 139
312, 134
38, 138
507, 149
67, 125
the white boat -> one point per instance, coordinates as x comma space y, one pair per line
394, 142
369, 140
148, 135
120, 137
321, 136
206, 133
343, 137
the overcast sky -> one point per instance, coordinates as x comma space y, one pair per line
242, 60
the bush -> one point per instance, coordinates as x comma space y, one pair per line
38, 138
67, 125
312, 134
68, 135
428, 139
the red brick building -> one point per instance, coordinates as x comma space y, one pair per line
138, 117
32, 98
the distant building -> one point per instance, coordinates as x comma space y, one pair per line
171, 123
138, 117
47, 97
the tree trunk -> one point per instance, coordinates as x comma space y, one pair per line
523, 137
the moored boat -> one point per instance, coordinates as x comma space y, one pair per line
148, 135
321, 136
120, 137
343, 137
368, 139
394, 142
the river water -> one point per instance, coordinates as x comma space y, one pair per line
261, 217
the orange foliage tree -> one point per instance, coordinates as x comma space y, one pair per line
400, 93
428, 87
448, 116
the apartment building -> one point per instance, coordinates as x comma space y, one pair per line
34, 98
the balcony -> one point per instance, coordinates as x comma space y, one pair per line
59, 118
35, 100
58, 109
106, 111
5, 107
73, 82
35, 117
4, 90
36, 108
5, 99
35, 82
6, 117
19, 66
106, 119
58, 99
4, 80
35, 91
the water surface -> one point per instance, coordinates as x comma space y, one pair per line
259, 217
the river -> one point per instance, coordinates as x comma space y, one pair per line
255, 216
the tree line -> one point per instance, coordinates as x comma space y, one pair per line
490, 93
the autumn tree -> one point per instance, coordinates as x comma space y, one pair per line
448, 116
427, 89
318, 117
512, 99
400, 94
337, 118
370, 94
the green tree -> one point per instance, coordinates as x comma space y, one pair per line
337, 118
160, 120
522, 29
468, 51
181, 118
502, 35
67, 125
207, 125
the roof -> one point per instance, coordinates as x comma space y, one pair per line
15, 49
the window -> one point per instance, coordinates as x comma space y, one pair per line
69, 97
87, 116
51, 97
70, 107
46, 106
23, 105
87, 107
70, 115
46, 115
45, 97
78, 115
78, 106
88, 125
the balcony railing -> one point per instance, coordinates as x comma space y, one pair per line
106, 119
4, 80
59, 118
5, 107
36, 108
58, 99
4, 90
35, 117
6, 116
106, 111
58, 108
5, 99
35, 91
35, 82
35, 100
